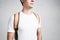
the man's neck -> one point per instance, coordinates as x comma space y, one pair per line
26, 10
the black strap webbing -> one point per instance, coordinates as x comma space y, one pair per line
16, 29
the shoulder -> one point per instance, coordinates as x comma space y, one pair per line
37, 16
16, 13
12, 15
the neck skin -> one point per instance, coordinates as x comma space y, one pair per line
26, 10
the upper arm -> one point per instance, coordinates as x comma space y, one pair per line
10, 26
10, 29
39, 31
10, 35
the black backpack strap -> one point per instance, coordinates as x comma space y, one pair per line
16, 23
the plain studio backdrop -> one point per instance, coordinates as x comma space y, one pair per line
47, 9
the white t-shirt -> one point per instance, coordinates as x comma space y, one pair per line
27, 28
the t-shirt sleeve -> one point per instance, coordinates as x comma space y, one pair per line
10, 27
39, 24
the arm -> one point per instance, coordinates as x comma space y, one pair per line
10, 28
13, 21
10, 35
39, 34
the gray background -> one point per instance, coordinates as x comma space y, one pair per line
47, 9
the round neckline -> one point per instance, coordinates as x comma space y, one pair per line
27, 14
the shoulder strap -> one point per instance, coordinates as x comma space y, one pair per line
37, 16
16, 20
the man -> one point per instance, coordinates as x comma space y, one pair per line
29, 23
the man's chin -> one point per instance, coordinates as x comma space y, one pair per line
31, 6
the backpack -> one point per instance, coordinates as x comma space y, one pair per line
16, 22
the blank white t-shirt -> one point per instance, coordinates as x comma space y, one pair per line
27, 28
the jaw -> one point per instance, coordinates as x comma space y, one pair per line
28, 7
31, 6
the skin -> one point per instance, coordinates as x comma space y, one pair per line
27, 6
